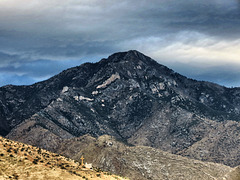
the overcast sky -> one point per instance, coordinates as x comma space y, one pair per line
197, 38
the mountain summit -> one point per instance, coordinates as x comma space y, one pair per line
133, 98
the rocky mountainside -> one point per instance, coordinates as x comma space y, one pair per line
22, 161
135, 162
142, 162
133, 98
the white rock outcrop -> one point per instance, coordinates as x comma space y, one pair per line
109, 81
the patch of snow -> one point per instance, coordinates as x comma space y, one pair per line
79, 98
174, 83
109, 81
154, 89
59, 100
94, 92
76, 98
130, 98
65, 89
161, 86
85, 98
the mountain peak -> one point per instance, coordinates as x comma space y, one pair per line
135, 53
129, 55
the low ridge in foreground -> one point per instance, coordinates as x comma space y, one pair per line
142, 162
139, 162
21, 161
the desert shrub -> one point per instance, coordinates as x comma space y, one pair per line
35, 161
98, 170
1, 154
9, 150
39, 151
62, 167
98, 175
15, 176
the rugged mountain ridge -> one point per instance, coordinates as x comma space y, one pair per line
133, 98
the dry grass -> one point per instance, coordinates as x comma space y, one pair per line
21, 161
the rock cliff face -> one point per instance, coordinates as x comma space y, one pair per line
133, 98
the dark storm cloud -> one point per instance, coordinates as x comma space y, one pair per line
53, 25
90, 29
213, 17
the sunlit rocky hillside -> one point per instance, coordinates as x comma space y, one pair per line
21, 161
